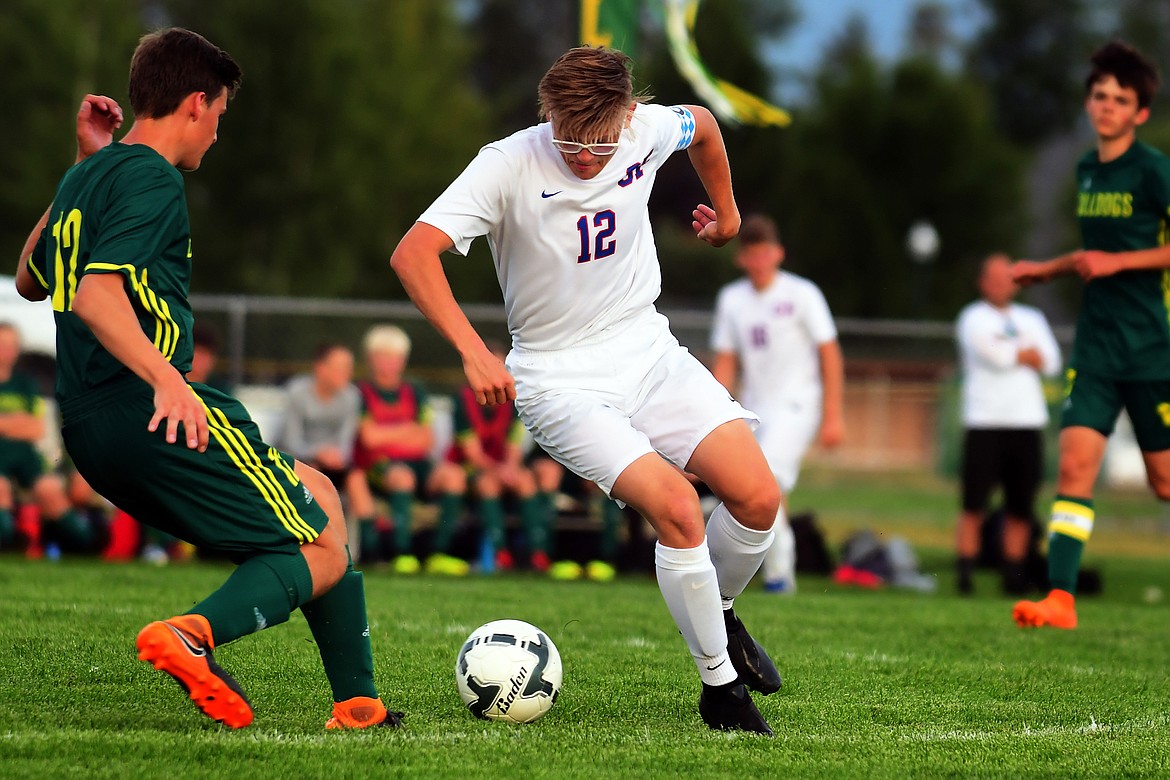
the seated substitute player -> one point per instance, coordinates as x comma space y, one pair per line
392, 452
321, 413
597, 376
22, 425
774, 333
489, 446
1121, 351
113, 255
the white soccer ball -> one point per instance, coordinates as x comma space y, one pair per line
508, 670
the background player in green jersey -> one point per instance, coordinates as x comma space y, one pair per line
1121, 354
22, 424
113, 254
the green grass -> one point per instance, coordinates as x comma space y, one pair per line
877, 684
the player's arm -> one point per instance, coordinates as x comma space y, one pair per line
833, 392
1026, 272
726, 369
102, 305
718, 223
417, 263
1093, 264
97, 119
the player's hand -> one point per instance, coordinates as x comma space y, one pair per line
488, 378
1093, 264
832, 432
709, 228
1025, 272
97, 119
175, 402
1031, 357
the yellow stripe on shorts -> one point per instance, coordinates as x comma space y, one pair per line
236, 445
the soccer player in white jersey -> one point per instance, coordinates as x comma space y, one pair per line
1005, 349
774, 333
597, 377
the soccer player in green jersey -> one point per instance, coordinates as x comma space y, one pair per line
113, 254
1121, 354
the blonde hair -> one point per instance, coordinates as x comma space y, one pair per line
387, 338
589, 91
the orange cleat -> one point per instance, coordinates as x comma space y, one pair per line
181, 647
362, 712
1058, 610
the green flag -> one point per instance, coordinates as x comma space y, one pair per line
610, 23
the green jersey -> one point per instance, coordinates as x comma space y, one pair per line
1123, 329
19, 395
122, 210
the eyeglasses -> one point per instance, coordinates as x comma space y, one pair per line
572, 147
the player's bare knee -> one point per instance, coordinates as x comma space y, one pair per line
1161, 486
758, 509
679, 521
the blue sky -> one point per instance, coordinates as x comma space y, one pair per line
821, 21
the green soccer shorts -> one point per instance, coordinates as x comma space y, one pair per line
22, 464
1094, 401
241, 496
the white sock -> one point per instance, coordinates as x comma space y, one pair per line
690, 587
737, 551
780, 562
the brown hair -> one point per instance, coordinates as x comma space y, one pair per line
758, 229
170, 64
1128, 66
589, 91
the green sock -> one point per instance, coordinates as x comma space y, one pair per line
261, 592
611, 523
340, 626
401, 506
450, 507
1071, 525
532, 517
368, 538
491, 514
7, 528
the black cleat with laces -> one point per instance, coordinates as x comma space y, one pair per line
751, 661
730, 708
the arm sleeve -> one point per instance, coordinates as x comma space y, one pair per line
474, 203
143, 205
1158, 185
722, 328
38, 260
817, 317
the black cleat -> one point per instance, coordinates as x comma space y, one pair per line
730, 708
751, 661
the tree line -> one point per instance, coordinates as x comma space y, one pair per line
355, 114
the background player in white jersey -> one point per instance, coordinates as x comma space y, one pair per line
1005, 348
596, 374
774, 332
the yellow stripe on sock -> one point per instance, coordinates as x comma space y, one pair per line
235, 444
1071, 519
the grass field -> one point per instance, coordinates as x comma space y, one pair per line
877, 684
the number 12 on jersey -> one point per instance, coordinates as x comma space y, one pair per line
602, 244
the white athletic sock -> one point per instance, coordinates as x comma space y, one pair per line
780, 562
690, 587
736, 551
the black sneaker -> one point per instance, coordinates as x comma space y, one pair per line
730, 708
751, 661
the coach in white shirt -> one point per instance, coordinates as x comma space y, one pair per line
774, 333
1004, 348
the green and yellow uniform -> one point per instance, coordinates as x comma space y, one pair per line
20, 460
1121, 355
123, 211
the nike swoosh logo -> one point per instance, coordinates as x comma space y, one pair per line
544, 194
194, 650
716, 666
697, 585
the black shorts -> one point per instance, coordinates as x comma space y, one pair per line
1011, 458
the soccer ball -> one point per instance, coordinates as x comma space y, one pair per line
508, 670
